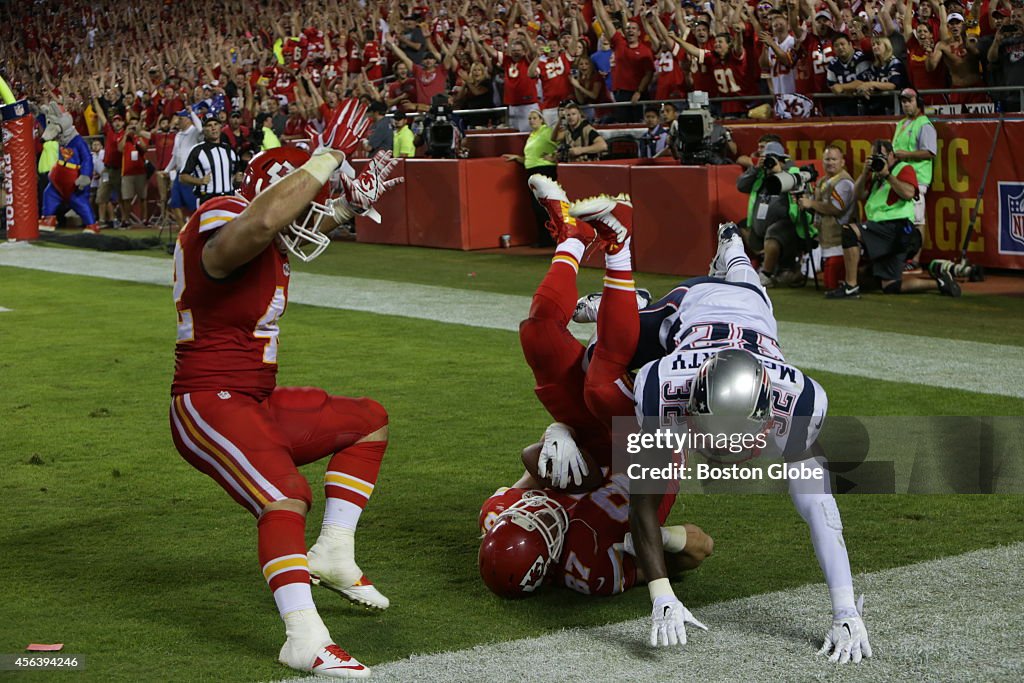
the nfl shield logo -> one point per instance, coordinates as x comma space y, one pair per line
1011, 218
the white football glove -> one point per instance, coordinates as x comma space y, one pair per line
359, 194
83, 181
342, 131
847, 639
668, 622
560, 454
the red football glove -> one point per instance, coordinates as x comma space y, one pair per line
360, 193
343, 131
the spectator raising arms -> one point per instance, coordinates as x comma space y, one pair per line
633, 68
520, 87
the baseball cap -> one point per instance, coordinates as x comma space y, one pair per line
117, 117
183, 112
954, 16
908, 94
236, 113
824, 13
999, 14
377, 107
775, 149
210, 118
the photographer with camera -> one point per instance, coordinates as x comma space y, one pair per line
888, 187
577, 139
1006, 57
776, 225
833, 203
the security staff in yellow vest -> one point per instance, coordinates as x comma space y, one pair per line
916, 143
775, 224
888, 188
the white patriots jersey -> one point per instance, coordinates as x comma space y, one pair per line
799, 403
696, 331
712, 313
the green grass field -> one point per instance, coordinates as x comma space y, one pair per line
117, 548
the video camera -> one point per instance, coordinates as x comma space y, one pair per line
784, 182
438, 129
691, 134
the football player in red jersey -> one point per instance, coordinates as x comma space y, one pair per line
581, 390
581, 541
228, 417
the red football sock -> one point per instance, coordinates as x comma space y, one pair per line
282, 555
349, 481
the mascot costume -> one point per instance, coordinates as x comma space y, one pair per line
71, 176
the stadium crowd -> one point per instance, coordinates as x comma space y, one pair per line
281, 66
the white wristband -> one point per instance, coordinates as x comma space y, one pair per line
321, 167
660, 588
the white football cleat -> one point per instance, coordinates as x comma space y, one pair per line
561, 225
330, 661
611, 218
362, 592
588, 306
727, 233
332, 566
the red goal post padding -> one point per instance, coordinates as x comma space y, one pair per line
19, 169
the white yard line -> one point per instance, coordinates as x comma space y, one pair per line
956, 618
952, 364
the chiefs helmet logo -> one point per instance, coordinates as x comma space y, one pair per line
534, 575
275, 172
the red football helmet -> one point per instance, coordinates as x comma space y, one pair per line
303, 237
492, 508
519, 549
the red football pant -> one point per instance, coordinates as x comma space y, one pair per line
556, 359
253, 448
608, 390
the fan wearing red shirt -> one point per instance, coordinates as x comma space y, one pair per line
727, 63
284, 83
700, 73
316, 47
670, 79
925, 67
554, 70
633, 67
430, 79
354, 48
812, 53
373, 60
133, 171
402, 91
162, 141
520, 87
110, 180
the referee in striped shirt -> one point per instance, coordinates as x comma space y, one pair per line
212, 164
